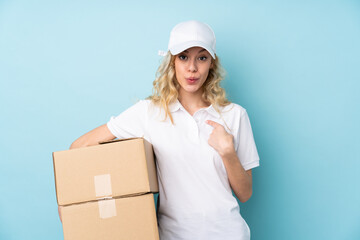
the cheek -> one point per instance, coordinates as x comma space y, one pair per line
177, 73
205, 73
179, 70
176, 68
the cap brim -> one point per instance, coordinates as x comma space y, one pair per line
182, 47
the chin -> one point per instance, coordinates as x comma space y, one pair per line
191, 89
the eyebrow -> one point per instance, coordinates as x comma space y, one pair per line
186, 51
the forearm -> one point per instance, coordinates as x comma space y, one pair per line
239, 179
99, 134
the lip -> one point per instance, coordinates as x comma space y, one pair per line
191, 79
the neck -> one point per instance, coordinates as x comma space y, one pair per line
192, 101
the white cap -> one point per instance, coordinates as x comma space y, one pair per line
192, 34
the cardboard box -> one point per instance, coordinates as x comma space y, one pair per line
119, 168
126, 218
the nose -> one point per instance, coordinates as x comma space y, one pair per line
192, 65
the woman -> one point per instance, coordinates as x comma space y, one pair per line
203, 144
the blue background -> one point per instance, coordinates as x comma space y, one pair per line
68, 66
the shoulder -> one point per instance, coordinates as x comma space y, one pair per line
138, 107
146, 102
232, 115
148, 106
233, 109
142, 104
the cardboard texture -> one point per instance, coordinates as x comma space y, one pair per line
134, 219
119, 168
105, 191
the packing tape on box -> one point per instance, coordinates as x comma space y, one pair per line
107, 208
103, 185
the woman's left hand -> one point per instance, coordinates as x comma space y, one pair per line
220, 139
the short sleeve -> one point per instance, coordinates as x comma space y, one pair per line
246, 149
130, 123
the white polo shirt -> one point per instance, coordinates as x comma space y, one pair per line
196, 201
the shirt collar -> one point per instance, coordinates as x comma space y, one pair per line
175, 106
211, 110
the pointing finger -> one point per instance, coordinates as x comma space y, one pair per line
212, 123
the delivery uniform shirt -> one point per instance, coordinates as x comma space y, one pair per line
196, 200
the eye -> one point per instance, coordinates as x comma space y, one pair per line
202, 58
182, 57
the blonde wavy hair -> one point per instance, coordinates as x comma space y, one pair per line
166, 87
